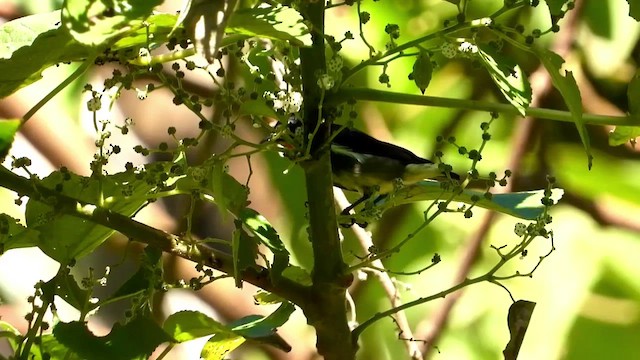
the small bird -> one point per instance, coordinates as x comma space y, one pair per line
368, 166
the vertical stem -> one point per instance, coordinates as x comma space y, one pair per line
326, 309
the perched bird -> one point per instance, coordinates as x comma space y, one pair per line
368, 166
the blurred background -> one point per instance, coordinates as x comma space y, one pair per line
587, 291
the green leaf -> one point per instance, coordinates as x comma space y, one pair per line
623, 134
258, 65
555, 6
244, 249
155, 34
263, 297
263, 329
149, 272
267, 235
135, 340
65, 237
31, 44
53, 349
508, 76
8, 130
205, 22
94, 23
422, 71
188, 325
158, 31
210, 178
11, 334
274, 22
220, 345
227, 192
634, 9
265, 325
14, 236
633, 95
298, 274
68, 289
217, 187
570, 93
524, 205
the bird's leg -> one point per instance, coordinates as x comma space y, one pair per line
348, 209
364, 198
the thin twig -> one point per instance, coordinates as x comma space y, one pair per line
388, 286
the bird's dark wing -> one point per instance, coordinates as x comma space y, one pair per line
362, 143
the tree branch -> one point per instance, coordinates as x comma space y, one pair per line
143, 233
327, 309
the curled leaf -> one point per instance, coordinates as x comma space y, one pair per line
518, 321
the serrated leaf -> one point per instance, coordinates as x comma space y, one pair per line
267, 235
634, 9
274, 22
188, 325
14, 235
65, 286
135, 340
508, 76
422, 71
8, 130
31, 44
65, 237
525, 204
568, 88
205, 22
95, 23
